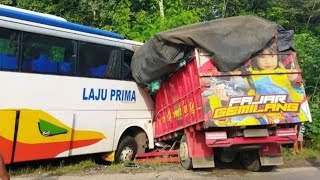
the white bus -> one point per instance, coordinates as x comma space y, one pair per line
66, 89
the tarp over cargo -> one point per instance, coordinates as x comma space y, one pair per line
231, 41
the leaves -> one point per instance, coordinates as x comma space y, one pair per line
125, 16
308, 48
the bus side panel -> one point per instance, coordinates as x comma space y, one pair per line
178, 102
7, 129
128, 119
42, 136
94, 128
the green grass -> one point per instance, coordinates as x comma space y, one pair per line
153, 164
306, 154
78, 164
52, 167
73, 167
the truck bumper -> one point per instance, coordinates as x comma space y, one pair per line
217, 139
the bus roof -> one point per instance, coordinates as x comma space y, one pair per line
53, 21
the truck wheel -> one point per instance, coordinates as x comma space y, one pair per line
127, 149
185, 160
251, 161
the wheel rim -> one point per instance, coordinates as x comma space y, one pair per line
183, 151
126, 154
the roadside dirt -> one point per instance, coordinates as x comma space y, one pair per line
158, 170
311, 162
220, 170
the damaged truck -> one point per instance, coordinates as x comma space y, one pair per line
228, 89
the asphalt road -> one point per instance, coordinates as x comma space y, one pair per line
301, 173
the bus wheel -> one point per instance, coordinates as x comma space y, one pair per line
251, 161
185, 159
127, 149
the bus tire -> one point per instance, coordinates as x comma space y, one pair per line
250, 161
185, 159
127, 149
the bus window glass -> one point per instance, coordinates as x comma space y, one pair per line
48, 55
126, 70
99, 61
8, 50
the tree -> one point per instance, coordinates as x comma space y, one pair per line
307, 46
9, 2
161, 8
313, 10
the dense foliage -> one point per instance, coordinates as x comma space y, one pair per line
141, 19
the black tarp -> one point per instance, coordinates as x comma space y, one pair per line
231, 41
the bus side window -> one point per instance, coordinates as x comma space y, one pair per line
8, 50
92, 60
99, 61
126, 67
48, 55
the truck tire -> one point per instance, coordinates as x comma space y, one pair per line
185, 159
267, 168
127, 149
251, 161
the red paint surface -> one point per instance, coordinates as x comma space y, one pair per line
272, 149
6, 149
26, 152
159, 156
182, 93
254, 140
197, 144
